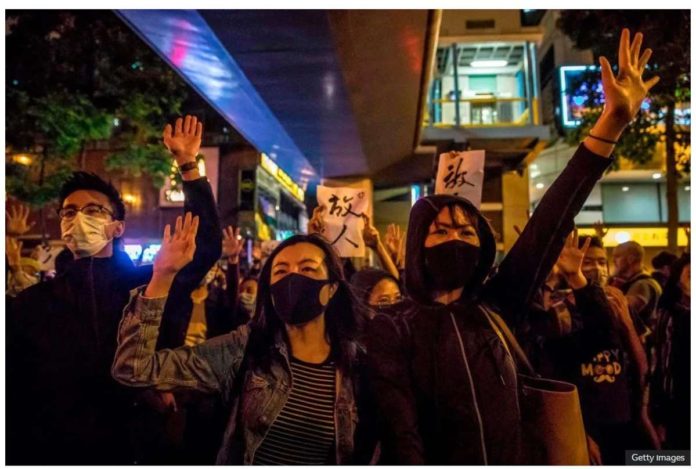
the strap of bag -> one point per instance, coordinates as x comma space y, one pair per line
509, 341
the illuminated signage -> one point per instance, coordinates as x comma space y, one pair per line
282, 177
648, 237
134, 251
150, 252
573, 105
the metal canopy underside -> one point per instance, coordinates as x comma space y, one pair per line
323, 93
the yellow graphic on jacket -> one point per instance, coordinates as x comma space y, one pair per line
604, 367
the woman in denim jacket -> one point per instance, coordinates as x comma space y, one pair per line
291, 377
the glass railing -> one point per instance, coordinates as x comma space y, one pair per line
482, 111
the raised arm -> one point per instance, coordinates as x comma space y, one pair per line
373, 241
531, 258
231, 248
184, 141
208, 367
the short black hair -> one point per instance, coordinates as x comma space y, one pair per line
83, 181
595, 241
663, 259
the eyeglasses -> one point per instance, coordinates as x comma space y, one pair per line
386, 303
92, 210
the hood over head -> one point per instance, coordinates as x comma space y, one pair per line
423, 213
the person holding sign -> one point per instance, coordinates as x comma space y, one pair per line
445, 384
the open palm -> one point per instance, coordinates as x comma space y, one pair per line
16, 220
570, 260
177, 248
625, 92
184, 140
231, 242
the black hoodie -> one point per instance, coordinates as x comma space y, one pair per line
446, 388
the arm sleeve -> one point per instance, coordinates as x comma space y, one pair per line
531, 258
232, 278
393, 392
199, 200
209, 367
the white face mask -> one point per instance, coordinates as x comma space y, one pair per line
85, 235
248, 301
599, 276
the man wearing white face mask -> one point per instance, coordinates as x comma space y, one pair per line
63, 405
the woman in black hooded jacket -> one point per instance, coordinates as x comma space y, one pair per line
445, 385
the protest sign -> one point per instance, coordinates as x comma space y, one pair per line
343, 218
460, 173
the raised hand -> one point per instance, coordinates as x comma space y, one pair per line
370, 234
184, 140
401, 257
599, 229
316, 223
619, 305
625, 92
178, 247
16, 220
231, 244
569, 263
13, 251
393, 239
176, 251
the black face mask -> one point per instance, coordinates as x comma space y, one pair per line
451, 265
296, 298
391, 309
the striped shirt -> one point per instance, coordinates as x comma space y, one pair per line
304, 431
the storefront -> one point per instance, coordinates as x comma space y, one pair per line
271, 204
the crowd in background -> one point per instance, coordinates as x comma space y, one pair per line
293, 356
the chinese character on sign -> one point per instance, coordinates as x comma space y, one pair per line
343, 207
456, 178
343, 219
461, 174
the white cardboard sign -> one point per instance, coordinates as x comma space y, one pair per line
342, 218
460, 173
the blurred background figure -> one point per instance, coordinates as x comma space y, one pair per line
670, 392
661, 264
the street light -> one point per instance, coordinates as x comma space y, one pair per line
24, 159
488, 63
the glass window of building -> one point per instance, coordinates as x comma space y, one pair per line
485, 83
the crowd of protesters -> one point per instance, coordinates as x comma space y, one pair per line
297, 358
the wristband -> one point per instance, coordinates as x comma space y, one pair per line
605, 140
190, 166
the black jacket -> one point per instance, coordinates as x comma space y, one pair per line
63, 405
445, 386
592, 356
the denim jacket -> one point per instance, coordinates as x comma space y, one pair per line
212, 367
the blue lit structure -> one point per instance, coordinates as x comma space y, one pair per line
185, 40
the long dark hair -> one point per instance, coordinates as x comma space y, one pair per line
341, 319
672, 292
